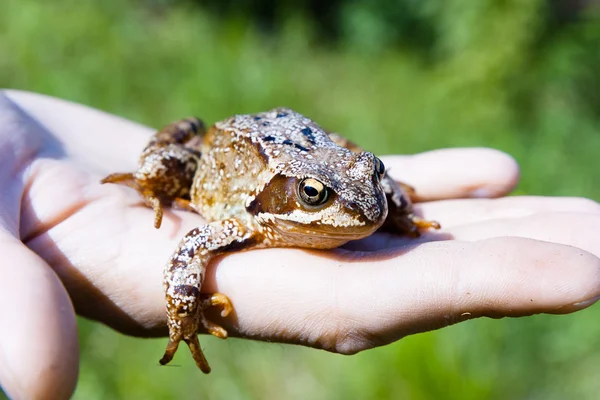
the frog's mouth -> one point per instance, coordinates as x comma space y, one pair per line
343, 228
317, 236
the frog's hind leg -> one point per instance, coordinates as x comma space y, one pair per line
342, 141
401, 218
183, 278
166, 167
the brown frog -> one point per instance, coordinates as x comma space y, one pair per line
273, 179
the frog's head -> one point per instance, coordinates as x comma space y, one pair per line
323, 203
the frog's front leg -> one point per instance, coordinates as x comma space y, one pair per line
183, 278
166, 167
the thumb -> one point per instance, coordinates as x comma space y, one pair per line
39, 353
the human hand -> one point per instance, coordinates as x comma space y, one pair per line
68, 241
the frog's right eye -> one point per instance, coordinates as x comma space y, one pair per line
312, 192
379, 167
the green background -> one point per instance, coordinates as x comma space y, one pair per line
396, 76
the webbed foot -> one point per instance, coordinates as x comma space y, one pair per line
185, 328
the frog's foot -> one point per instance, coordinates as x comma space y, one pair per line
216, 299
409, 224
401, 218
422, 224
167, 167
186, 328
130, 180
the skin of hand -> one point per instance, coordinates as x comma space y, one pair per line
70, 245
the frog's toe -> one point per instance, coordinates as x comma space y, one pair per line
170, 351
158, 210
126, 179
214, 329
421, 223
217, 299
194, 345
212, 300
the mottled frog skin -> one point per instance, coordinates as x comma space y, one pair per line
273, 179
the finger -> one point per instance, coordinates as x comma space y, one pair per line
39, 353
346, 306
86, 135
574, 229
577, 229
456, 173
459, 212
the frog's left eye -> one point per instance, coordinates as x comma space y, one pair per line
312, 192
379, 167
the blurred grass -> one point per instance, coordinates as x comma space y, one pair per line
491, 73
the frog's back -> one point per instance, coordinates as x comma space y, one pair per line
241, 154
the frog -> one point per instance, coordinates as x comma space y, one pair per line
269, 179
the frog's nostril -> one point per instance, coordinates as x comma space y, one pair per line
353, 205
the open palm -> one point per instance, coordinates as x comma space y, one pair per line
69, 245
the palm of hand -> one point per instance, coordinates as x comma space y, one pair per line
78, 243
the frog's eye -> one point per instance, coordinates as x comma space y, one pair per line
312, 192
379, 167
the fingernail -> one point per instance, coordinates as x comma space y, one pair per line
480, 193
586, 303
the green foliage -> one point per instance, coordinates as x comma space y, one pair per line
401, 77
